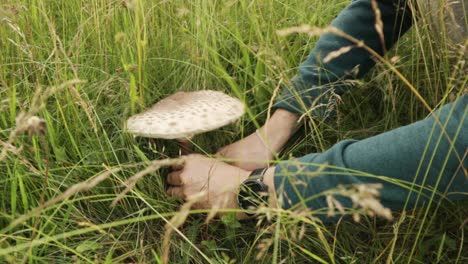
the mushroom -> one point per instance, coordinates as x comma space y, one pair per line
185, 114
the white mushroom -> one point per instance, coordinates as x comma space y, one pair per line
185, 114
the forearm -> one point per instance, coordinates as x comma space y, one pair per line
413, 163
278, 129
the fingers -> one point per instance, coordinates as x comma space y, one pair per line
177, 167
176, 191
174, 178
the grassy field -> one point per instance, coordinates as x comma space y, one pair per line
85, 66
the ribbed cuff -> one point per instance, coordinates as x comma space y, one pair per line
316, 101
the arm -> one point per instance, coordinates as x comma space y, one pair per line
415, 155
311, 87
259, 148
413, 163
316, 80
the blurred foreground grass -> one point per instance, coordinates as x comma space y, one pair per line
132, 53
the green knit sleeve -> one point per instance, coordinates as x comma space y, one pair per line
317, 81
419, 163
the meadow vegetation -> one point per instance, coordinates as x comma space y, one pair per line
72, 72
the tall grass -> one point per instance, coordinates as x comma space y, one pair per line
129, 54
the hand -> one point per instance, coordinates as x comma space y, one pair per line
219, 181
259, 148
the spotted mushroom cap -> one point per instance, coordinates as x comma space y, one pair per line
184, 114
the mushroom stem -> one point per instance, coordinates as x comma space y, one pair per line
185, 146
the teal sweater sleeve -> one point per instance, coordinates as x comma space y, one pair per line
412, 163
312, 87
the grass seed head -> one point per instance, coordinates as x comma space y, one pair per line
33, 125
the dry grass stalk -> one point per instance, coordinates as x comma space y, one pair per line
273, 97
333, 100
153, 167
363, 196
182, 12
337, 53
311, 31
297, 232
379, 24
10, 147
33, 125
334, 205
315, 31
263, 247
79, 187
130, 4
16, 151
176, 221
24, 46
72, 66
219, 203
27, 121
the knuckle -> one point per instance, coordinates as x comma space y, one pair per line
171, 180
185, 193
183, 178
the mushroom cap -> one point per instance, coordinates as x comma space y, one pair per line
185, 114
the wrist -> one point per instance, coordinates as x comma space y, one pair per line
244, 175
268, 180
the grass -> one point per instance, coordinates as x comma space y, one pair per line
129, 56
